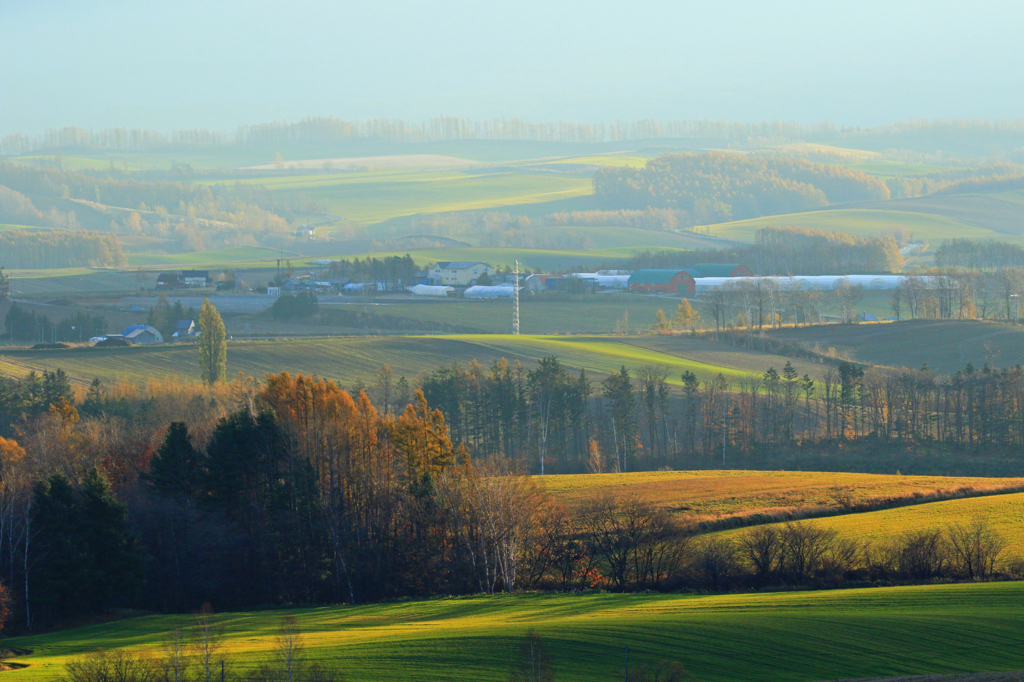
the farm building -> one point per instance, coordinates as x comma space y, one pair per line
663, 281
721, 270
457, 273
185, 329
428, 290
815, 282
170, 280
542, 282
501, 291
604, 280
142, 334
195, 279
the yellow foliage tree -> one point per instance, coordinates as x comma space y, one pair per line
686, 315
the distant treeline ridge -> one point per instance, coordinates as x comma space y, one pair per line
440, 128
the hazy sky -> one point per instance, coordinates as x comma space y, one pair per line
215, 64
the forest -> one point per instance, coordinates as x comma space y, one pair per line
979, 254
24, 249
197, 216
292, 490
721, 186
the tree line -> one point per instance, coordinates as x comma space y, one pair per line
294, 490
28, 249
979, 254
196, 215
390, 270
785, 251
26, 325
721, 186
982, 133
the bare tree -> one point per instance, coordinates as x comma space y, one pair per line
121, 665
976, 547
533, 663
289, 646
384, 381
805, 549
176, 656
762, 547
207, 637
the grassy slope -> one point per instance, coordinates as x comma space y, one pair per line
861, 222
1005, 513
946, 345
354, 358
239, 254
377, 196
794, 636
713, 494
594, 315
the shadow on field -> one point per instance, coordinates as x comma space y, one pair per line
1017, 676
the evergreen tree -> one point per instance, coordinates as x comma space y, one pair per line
177, 467
115, 560
59, 577
87, 558
213, 350
5, 286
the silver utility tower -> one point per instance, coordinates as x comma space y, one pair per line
515, 301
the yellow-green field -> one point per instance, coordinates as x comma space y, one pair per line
1004, 513
757, 637
861, 222
371, 197
351, 358
705, 495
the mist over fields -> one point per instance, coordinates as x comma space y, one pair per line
196, 64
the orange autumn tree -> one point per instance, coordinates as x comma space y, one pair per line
364, 464
421, 435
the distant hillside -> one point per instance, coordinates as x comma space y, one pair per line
720, 186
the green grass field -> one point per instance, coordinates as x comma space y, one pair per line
351, 358
945, 345
860, 222
703, 495
257, 255
757, 637
371, 197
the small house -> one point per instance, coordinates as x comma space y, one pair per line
142, 334
662, 281
457, 273
170, 280
185, 329
195, 279
542, 282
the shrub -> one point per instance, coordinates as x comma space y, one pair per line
293, 307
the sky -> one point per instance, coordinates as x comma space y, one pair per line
196, 63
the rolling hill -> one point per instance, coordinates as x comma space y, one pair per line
756, 637
944, 345
707, 495
352, 358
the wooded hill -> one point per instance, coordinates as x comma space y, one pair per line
786, 251
721, 186
24, 249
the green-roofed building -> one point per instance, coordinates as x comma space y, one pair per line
664, 281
